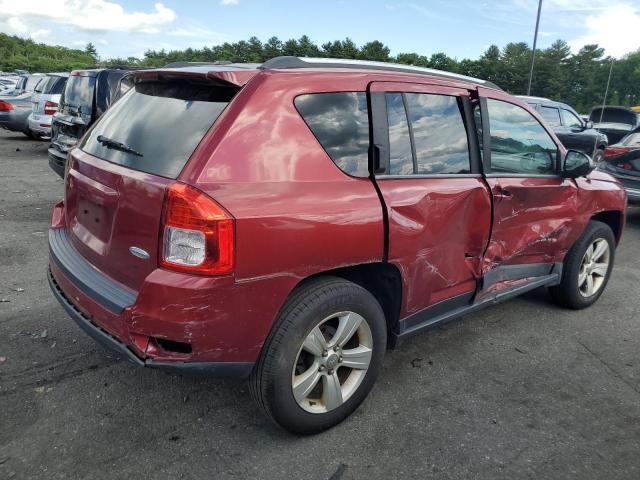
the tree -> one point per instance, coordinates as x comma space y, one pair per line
90, 49
375, 50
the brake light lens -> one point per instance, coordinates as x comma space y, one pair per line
198, 234
50, 108
614, 151
5, 106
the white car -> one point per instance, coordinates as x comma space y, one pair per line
44, 103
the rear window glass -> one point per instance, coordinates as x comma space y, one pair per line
340, 123
78, 93
32, 82
159, 123
631, 139
52, 85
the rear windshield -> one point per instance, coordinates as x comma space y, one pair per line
162, 122
32, 81
52, 85
78, 93
613, 115
633, 139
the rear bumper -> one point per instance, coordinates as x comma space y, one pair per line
218, 369
57, 161
40, 124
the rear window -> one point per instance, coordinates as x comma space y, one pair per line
32, 81
162, 121
52, 85
340, 123
78, 93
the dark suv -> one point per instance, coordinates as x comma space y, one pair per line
573, 132
291, 221
87, 95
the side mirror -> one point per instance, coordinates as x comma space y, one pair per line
588, 125
577, 164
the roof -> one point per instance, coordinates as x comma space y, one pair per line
312, 62
527, 98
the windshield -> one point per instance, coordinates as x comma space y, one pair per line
156, 126
630, 140
32, 81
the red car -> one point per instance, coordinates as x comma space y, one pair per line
291, 221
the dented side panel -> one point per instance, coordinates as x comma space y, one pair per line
438, 230
533, 220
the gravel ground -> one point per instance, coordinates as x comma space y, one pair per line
522, 390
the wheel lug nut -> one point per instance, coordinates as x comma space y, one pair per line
340, 359
325, 353
330, 372
322, 367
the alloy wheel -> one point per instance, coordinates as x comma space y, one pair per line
594, 267
332, 362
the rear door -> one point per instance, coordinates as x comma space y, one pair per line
427, 169
533, 206
114, 193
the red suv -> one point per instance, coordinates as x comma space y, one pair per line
291, 221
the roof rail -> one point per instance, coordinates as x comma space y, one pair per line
312, 62
182, 64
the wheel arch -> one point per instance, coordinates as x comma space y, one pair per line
614, 219
383, 280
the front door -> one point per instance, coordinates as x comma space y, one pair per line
533, 206
427, 169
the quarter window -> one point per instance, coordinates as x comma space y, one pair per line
519, 144
340, 123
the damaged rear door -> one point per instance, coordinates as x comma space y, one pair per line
438, 207
533, 206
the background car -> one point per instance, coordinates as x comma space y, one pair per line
622, 161
14, 112
26, 84
569, 127
615, 122
87, 94
44, 103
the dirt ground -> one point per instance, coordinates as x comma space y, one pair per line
522, 390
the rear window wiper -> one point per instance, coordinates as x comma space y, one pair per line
109, 143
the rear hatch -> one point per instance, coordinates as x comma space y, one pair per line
75, 110
623, 159
47, 96
615, 122
118, 175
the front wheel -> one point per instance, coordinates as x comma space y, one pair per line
587, 268
322, 358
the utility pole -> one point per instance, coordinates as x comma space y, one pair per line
606, 90
535, 41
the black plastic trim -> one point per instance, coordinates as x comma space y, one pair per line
426, 319
217, 369
515, 272
57, 162
84, 276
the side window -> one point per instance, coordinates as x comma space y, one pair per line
570, 120
400, 155
550, 115
340, 123
519, 144
439, 134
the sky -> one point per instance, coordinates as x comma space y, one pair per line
459, 28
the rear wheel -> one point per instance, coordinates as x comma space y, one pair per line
587, 268
322, 358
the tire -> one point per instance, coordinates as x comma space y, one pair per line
330, 306
574, 291
598, 155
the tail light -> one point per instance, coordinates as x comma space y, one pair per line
614, 151
197, 234
50, 108
5, 106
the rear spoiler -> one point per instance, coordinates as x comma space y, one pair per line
219, 75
